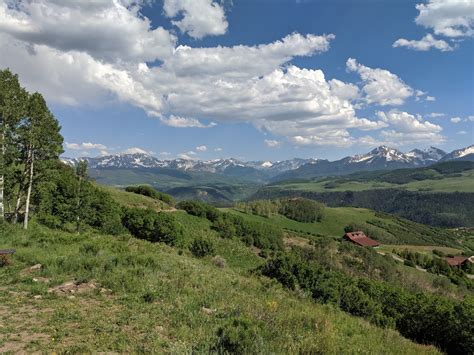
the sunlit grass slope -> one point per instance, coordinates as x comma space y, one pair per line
162, 300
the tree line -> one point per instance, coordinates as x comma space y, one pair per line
298, 209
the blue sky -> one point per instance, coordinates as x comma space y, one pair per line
252, 79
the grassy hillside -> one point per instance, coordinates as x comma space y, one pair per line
443, 177
387, 229
135, 296
209, 187
130, 199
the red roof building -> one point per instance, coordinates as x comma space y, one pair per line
456, 260
361, 239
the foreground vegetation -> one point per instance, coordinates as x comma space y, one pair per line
162, 299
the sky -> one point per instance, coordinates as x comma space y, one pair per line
249, 79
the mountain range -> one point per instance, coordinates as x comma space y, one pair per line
382, 157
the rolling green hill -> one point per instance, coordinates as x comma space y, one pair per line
210, 187
135, 296
385, 228
443, 177
440, 195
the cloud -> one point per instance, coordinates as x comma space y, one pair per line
187, 156
405, 128
255, 84
106, 30
199, 18
456, 119
452, 19
182, 122
136, 150
201, 148
449, 18
436, 115
85, 146
380, 86
422, 95
470, 118
218, 149
462, 132
424, 44
272, 143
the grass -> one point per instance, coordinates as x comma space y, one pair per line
463, 183
388, 229
130, 199
425, 249
162, 300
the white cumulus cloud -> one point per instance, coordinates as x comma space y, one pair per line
272, 143
199, 18
183, 122
424, 44
405, 128
201, 148
85, 146
380, 85
450, 18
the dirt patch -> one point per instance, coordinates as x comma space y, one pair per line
19, 342
294, 241
75, 287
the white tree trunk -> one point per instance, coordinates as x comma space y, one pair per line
2, 179
28, 194
17, 207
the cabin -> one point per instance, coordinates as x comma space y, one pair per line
458, 260
361, 239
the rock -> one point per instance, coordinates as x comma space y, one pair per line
35, 267
37, 297
208, 310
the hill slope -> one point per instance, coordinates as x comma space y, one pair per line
159, 301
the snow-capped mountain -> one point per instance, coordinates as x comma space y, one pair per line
461, 154
431, 154
382, 157
380, 154
140, 160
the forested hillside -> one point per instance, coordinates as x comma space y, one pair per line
439, 195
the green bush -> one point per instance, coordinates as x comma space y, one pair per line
199, 209
149, 225
238, 336
60, 200
201, 247
147, 190
302, 210
424, 318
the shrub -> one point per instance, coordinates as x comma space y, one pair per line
238, 336
149, 225
147, 190
219, 261
199, 209
201, 247
302, 210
